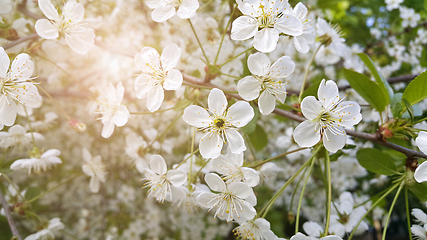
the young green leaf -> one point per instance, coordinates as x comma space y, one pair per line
381, 81
258, 138
417, 89
367, 89
396, 105
409, 109
376, 161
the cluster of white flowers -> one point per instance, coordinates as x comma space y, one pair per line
178, 144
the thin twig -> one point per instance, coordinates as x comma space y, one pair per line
9, 216
21, 40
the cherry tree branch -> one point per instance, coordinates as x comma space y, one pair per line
21, 40
9, 216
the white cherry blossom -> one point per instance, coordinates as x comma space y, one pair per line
302, 42
112, 110
165, 9
331, 36
420, 174
409, 17
258, 229
233, 201
53, 227
17, 136
266, 79
219, 123
16, 86
393, 4
161, 180
95, 169
37, 162
264, 20
231, 166
300, 236
69, 24
158, 73
327, 117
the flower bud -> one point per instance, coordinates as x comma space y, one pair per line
77, 126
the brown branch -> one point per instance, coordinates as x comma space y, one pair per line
21, 40
9, 216
23, 9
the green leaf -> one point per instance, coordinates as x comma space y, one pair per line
258, 138
32, 192
409, 109
367, 89
376, 161
396, 105
250, 127
381, 81
417, 89
419, 190
312, 90
334, 157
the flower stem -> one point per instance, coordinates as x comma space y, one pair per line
408, 217
391, 208
276, 157
53, 188
185, 160
238, 55
9, 216
223, 34
265, 210
301, 196
328, 215
191, 162
306, 73
391, 189
198, 41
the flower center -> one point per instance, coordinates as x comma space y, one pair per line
219, 123
174, 3
267, 18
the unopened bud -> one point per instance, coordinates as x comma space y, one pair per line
77, 126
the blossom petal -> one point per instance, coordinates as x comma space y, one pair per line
155, 98
259, 64
282, 68
86, 155
163, 13
170, 56
210, 145
173, 80
239, 189
94, 184
249, 88
266, 40
305, 134
240, 114
300, 44
266, 103
45, 29
251, 177
48, 9
215, 182
78, 44
121, 116
289, 25
196, 116
73, 11
188, 8
217, 102
158, 164
311, 108
235, 140
243, 28
328, 93
8, 110
4, 63
22, 67
334, 138
142, 86
421, 141
107, 129
421, 172
312, 228
148, 60
177, 177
